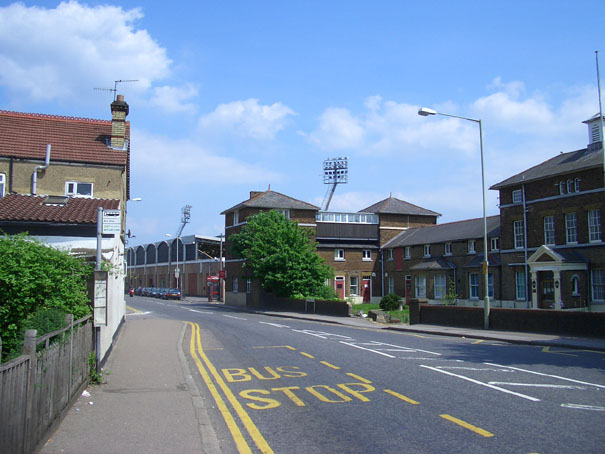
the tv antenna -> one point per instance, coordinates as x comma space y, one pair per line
115, 86
336, 171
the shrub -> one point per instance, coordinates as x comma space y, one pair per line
390, 302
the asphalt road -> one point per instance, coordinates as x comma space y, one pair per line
287, 386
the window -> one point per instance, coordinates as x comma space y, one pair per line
389, 254
495, 244
439, 286
391, 285
571, 229
575, 285
598, 285
78, 189
549, 230
520, 286
235, 285
2, 184
447, 249
286, 213
408, 254
235, 217
570, 186
490, 285
354, 286
577, 185
594, 225
517, 196
249, 286
519, 234
427, 250
367, 255
561, 187
420, 284
473, 286
339, 254
470, 246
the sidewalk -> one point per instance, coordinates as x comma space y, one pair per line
149, 404
538, 339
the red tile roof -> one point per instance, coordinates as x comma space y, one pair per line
76, 210
25, 135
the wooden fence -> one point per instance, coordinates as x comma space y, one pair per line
37, 387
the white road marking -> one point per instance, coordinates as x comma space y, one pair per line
138, 313
232, 316
583, 407
533, 399
368, 349
321, 334
548, 375
369, 346
277, 325
537, 385
476, 369
200, 312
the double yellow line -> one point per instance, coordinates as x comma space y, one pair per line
209, 372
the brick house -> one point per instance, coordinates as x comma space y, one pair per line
424, 262
560, 256
55, 172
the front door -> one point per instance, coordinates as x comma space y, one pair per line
366, 289
339, 286
547, 293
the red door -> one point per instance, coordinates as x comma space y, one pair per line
339, 286
366, 290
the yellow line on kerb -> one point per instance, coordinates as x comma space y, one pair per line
259, 440
239, 439
468, 426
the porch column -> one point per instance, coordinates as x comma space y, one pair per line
557, 277
534, 289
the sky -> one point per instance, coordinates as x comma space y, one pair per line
239, 96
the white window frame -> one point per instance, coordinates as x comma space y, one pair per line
495, 243
597, 285
407, 253
575, 285
594, 226
520, 286
570, 186
470, 246
427, 250
354, 288
439, 286
447, 249
339, 255
389, 254
562, 187
249, 286
549, 230
74, 192
517, 196
366, 255
235, 285
473, 286
2, 184
571, 228
391, 285
236, 217
518, 234
284, 211
420, 286
577, 185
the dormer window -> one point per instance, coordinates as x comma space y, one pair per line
78, 189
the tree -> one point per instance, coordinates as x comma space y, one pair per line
35, 278
281, 255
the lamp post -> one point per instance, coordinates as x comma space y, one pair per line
425, 112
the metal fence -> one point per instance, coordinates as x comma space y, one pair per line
37, 387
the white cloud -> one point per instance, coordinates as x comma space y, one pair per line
52, 53
338, 129
248, 119
174, 99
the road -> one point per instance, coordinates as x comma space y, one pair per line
285, 385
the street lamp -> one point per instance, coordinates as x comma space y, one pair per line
425, 112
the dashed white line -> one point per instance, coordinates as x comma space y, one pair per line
548, 375
583, 407
277, 325
537, 385
232, 316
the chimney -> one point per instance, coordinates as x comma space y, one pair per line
255, 194
119, 110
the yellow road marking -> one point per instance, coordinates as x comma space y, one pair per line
402, 397
468, 426
307, 355
133, 309
277, 346
478, 341
332, 366
357, 377
547, 350
259, 440
240, 442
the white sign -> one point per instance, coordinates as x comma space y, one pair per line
112, 222
100, 302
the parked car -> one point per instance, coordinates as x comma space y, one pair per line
161, 293
172, 294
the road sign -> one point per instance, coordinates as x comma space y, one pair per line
112, 222
222, 274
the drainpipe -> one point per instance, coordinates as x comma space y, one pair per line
39, 168
527, 290
382, 270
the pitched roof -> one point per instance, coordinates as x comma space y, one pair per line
396, 206
63, 210
560, 164
441, 233
25, 135
273, 200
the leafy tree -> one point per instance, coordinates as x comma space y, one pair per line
35, 278
390, 302
281, 255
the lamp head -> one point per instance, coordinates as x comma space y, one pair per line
425, 111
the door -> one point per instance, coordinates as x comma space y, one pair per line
547, 293
339, 286
366, 289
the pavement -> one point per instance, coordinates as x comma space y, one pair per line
151, 404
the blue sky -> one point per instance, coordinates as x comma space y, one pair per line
235, 96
